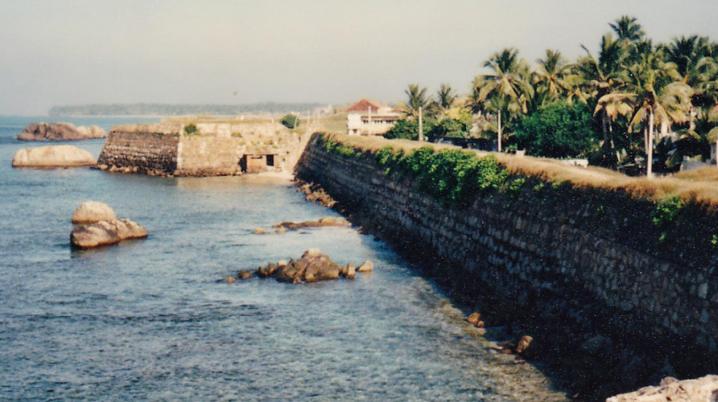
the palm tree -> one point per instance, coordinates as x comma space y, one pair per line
601, 76
659, 97
508, 82
551, 78
694, 61
628, 29
445, 98
416, 99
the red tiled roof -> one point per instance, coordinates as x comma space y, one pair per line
363, 105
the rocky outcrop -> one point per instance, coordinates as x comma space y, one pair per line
56, 156
59, 132
322, 222
315, 193
95, 225
313, 266
704, 389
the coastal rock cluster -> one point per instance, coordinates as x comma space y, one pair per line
59, 132
312, 266
95, 224
315, 193
56, 156
704, 389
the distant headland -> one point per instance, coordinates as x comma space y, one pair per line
171, 109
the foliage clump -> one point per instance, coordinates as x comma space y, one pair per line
557, 130
340, 149
665, 215
191, 129
290, 121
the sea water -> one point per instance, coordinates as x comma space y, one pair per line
153, 319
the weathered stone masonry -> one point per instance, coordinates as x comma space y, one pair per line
214, 150
540, 256
151, 151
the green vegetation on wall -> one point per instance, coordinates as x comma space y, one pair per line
457, 178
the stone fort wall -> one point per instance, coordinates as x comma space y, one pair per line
147, 149
214, 150
585, 286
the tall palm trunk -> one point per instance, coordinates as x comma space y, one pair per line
604, 126
499, 136
649, 149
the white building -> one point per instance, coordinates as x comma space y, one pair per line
370, 118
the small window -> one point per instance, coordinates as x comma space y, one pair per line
270, 160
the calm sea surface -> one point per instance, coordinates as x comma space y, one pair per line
149, 319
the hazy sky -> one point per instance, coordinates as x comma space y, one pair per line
231, 51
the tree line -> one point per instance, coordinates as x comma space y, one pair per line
171, 109
635, 105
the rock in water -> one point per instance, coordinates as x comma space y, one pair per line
670, 389
59, 132
245, 274
104, 233
322, 222
93, 211
95, 225
523, 345
474, 318
348, 271
367, 266
313, 266
57, 156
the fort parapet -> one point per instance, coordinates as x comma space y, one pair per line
208, 149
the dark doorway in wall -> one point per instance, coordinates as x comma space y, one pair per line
270, 160
243, 164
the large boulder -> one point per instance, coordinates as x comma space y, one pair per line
670, 389
95, 225
93, 211
59, 132
56, 156
104, 233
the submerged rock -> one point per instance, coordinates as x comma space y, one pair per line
312, 266
95, 225
245, 274
367, 266
322, 222
348, 271
59, 132
55, 156
670, 389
